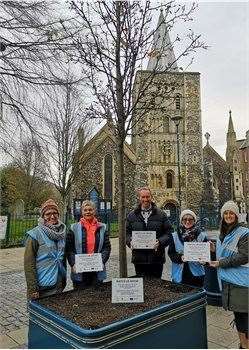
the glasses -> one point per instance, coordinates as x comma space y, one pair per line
54, 213
188, 220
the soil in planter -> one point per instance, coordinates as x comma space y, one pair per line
92, 308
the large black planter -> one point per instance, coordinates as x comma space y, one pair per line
211, 283
177, 325
212, 287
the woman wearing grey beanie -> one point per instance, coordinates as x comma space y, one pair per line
186, 272
233, 268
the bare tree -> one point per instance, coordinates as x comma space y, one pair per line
116, 41
32, 60
32, 47
61, 118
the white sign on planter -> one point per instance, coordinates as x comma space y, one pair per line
3, 226
143, 239
196, 251
88, 262
127, 290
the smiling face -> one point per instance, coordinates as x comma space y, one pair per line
229, 217
145, 198
88, 212
51, 217
188, 221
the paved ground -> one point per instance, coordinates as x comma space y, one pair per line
14, 318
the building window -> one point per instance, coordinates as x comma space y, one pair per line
178, 101
237, 188
108, 178
166, 124
94, 196
169, 179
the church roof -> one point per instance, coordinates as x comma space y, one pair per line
245, 142
211, 152
101, 136
162, 57
240, 142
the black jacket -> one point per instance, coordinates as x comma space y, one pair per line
157, 221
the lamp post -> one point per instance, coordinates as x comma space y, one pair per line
177, 120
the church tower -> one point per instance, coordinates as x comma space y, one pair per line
233, 162
170, 103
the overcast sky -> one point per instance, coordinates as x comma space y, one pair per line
224, 68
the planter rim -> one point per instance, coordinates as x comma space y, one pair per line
116, 325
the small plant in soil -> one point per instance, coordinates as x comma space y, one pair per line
91, 308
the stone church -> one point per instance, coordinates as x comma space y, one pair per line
165, 152
227, 179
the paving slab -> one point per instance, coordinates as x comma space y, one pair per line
7, 343
20, 335
234, 345
223, 337
217, 316
212, 345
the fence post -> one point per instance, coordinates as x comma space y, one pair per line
7, 236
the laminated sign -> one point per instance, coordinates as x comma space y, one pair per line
127, 290
88, 262
196, 251
3, 226
143, 239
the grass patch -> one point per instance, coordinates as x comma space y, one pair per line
114, 230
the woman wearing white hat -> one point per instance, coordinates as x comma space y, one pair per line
233, 268
191, 273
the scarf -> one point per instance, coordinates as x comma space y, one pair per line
90, 228
146, 213
93, 222
54, 232
189, 235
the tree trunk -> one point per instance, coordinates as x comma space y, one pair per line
121, 211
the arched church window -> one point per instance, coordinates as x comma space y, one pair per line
178, 101
169, 179
108, 177
166, 124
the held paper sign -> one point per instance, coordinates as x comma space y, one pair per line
88, 262
143, 239
196, 251
127, 290
3, 226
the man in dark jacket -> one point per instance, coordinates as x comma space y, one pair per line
147, 217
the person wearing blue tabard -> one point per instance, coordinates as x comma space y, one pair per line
182, 271
233, 268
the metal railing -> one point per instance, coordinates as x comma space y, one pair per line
18, 225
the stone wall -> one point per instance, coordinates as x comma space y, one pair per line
155, 140
91, 174
221, 175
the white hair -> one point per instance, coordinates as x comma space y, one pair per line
89, 203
